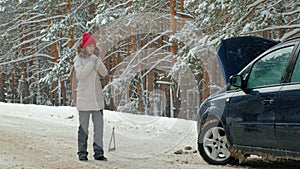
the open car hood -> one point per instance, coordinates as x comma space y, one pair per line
235, 53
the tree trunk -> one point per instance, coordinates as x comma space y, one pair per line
2, 87
23, 83
13, 94
71, 44
205, 89
54, 52
25, 86
173, 26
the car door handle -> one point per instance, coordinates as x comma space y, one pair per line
268, 102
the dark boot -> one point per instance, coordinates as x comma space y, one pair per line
82, 156
100, 158
99, 153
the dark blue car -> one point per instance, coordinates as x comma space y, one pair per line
258, 112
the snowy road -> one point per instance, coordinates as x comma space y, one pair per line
45, 137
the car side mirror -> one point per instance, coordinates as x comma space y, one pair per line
236, 81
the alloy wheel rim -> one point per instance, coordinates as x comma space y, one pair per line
215, 144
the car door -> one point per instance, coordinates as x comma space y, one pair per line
288, 114
253, 110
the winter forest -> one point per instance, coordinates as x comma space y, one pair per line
161, 55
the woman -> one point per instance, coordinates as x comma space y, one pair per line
89, 66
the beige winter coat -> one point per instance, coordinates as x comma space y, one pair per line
89, 89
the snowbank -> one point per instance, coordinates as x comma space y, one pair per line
136, 136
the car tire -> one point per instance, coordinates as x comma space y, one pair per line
212, 144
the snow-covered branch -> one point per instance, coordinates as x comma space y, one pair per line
26, 58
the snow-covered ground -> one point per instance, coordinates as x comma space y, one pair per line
154, 135
34, 136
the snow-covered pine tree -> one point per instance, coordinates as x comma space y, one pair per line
38, 41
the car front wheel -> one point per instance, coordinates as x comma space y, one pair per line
212, 144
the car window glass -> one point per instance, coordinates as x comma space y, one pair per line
296, 73
269, 69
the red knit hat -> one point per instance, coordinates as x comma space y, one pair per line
87, 39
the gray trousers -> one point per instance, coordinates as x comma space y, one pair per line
97, 117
